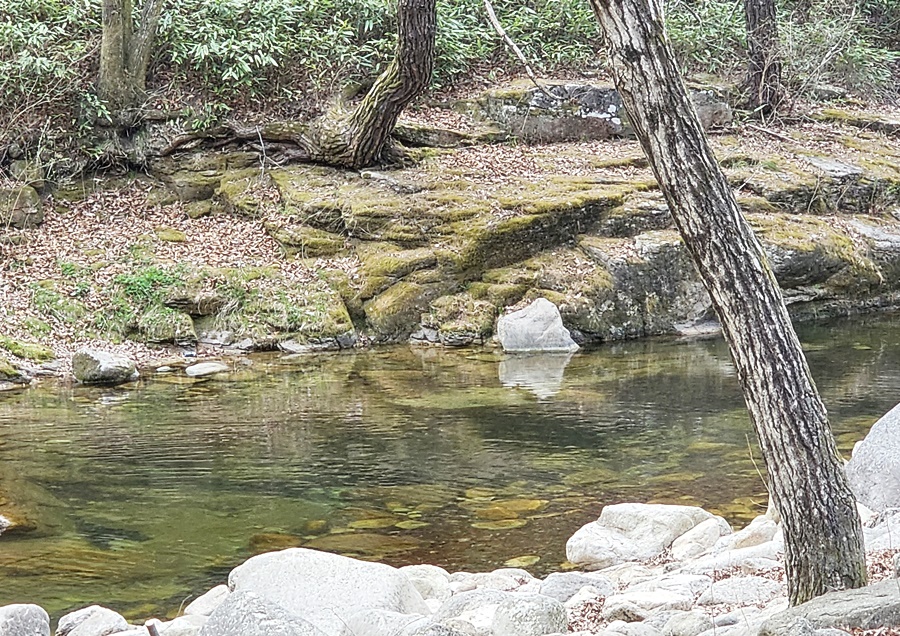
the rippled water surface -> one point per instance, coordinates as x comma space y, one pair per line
141, 496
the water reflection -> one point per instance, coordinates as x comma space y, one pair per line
140, 496
540, 373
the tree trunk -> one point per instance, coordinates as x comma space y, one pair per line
359, 139
764, 89
125, 53
823, 535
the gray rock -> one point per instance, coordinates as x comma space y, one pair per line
20, 207
202, 369
247, 614
92, 366
205, 604
187, 625
874, 468
326, 588
430, 581
541, 373
564, 585
529, 615
700, 538
869, 607
538, 327
631, 532
464, 602
91, 621
374, 622
742, 590
622, 610
24, 620
635, 629
687, 624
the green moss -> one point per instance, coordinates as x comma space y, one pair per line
159, 324
48, 301
460, 318
393, 314
305, 241
243, 193
170, 234
8, 372
27, 350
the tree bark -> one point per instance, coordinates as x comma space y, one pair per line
823, 535
765, 91
360, 138
125, 52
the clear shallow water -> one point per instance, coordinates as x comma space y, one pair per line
142, 496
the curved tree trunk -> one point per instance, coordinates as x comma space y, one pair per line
359, 139
764, 87
125, 53
823, 536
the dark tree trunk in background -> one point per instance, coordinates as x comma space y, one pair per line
765, 91
125, 52
823, 535
361, 137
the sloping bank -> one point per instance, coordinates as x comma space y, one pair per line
435, 252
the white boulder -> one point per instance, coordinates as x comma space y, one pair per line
92, 366
631, 532
742, 590
247, 614
538, 327
91, 621
874, 469
204, 604
24, 620
529, 615
324, 588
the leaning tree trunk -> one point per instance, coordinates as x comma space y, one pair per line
765, 91
360, 138
823, 537
125, 52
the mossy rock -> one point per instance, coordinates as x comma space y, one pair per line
241, 192
27, 350
160, 324
305, 241
383, 264
170, 234
860, 119
395, 313
8, 373
193, 186
20, 207
461, 320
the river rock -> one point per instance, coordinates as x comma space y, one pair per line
742, 590
20, 207
870, 607
476, 607
187, 625
700, 538
430, 581
92, 366
24, 620
247, 614
687, 624
653, 600
326, 588
631, 532
376, 622
874, 469
529, 615
537, 327
91, 621
564, 585
202, 369
205, 604
761, 530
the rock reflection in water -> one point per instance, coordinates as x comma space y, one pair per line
540, 373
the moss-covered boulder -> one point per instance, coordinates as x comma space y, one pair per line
30, 351
395, 313
20, 207
305, 241
459, 320
159, 324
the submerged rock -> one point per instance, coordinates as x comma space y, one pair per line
203, 369
92, 366
538, 327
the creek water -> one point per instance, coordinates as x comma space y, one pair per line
139, 497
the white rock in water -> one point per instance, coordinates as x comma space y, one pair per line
325, 589
91, 621
538, 327
92, 366
202, 369
874, 469
631, 532
204, 604
24, 620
